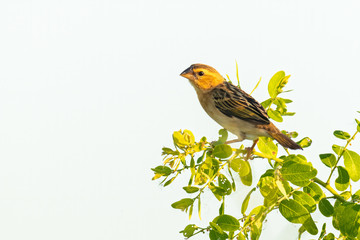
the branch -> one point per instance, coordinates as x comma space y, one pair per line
340, 155
330, 189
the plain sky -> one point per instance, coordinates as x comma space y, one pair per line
90, 92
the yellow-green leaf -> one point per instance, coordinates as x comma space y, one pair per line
274, 83
298, 173
245, 173
267, 146
341, 134
246, 201
342, 181
328, 159
352, 164
191, 189
275, 115
183, 138
227, 223
315, 191
306, 200
183, 204
305, 142
222, 151
326, 208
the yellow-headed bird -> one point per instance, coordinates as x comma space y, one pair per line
232, 108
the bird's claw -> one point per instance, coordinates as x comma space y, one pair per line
249, 154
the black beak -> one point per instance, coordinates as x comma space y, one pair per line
186, 71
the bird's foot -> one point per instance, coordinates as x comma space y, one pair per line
233, 141
249, 150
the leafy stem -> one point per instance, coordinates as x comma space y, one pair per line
329, 188
339, 156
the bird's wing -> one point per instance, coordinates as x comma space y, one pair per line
234, 102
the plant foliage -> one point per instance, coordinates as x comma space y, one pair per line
289, 185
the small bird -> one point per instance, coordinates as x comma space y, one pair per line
232, 108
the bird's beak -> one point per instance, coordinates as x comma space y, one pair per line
187, 73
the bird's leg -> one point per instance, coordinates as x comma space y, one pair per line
249, 150
233, 141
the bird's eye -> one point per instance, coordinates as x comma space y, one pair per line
201, 73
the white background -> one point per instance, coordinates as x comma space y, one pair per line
90, 92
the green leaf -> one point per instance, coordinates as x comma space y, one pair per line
337, 149
223, 136
199, 207
169, 181
245, 173
274, 83
183, 138
294, 212
330, 236
288, 113
326, 208
310, 226
222, 208
301, 231
189, 230
298, 173
227, 223
342, 135
183, 204
328, 159
169, 151
200, 178
346, 195
358, 125
280, 103
306, 200
191, 211
305, 142
239, 165
225, 184
222, 151
246, 201
241, 237
352, 164
191, 189
356, 196
275, 115
267, 146
268, 188
342, 182
315, 191
235, 164
217, 191
293, 134
255, 220
216, 227
346, 217
163, 170
286, 100
323, 231
213, 235
282, 184
266, 103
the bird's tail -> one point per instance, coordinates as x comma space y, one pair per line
284, 140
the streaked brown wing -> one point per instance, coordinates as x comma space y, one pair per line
234, 102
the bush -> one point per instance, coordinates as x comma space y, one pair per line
289, 184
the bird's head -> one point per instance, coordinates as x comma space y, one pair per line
202, 77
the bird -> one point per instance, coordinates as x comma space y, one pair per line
233, 108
